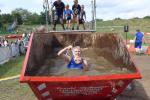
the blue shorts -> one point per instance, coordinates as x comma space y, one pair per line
138, 45
68, 18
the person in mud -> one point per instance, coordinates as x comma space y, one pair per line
60, 7
76, 61
82, 16
76, 8
138, 41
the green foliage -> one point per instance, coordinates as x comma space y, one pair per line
147, 17
6, 18
18, 17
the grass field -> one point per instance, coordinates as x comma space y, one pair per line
11, 68
13, 90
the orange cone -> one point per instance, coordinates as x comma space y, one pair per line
148, 50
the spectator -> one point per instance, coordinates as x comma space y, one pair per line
138, 41
68, 14
5, 43
60, 7
76, 13
82, 16
41, 29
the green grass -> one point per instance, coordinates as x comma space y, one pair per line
14, 90
11, 68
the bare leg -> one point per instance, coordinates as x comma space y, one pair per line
83, 26
69, 24
62, 23
78, 24
54, 27
73, 23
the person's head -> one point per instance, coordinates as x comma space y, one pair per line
75, 1
138, 30
41, 29
67, 6
59, 1
76, 51
82, 6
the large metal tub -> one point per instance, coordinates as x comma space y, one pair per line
98, 87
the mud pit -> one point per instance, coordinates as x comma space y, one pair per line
105, 53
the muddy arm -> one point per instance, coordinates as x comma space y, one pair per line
61, 53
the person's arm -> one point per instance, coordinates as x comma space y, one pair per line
61, 53
85, 15
64, 14
53, 5
71, 14
64, 11
51, 9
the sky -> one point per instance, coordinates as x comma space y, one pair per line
106, 9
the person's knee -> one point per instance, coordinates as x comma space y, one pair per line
61, 21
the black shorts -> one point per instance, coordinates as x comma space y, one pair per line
68, 18
81, 21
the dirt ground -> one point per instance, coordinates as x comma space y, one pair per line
141, 89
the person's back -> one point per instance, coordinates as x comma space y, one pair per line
139, 36
138, 41
59, 7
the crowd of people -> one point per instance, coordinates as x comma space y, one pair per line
17, 46
75, 15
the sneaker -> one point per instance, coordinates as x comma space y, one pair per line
54, 29
72, 28
66, 28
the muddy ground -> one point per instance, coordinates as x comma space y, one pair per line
142, 87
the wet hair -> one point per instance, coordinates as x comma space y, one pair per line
76, 47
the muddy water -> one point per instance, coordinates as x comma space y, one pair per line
56, 66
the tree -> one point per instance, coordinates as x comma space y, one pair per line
147, 17
34, 19
23, 13
18, 17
